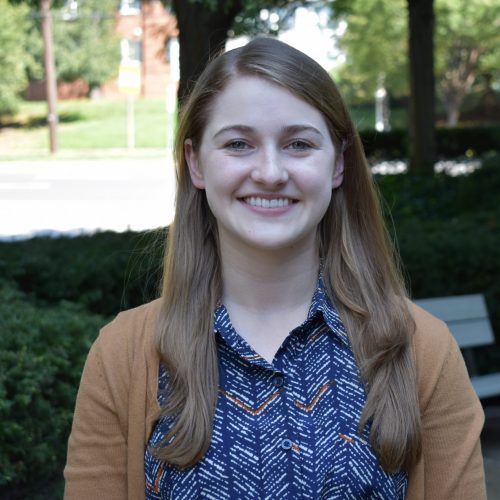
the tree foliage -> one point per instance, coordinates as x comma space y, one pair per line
14, 57
205, 25
375, 46
467, 44
86, 46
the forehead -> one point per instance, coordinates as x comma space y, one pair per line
254, 101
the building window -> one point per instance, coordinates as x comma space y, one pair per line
171, 50
70, 10
130, 7
131, 50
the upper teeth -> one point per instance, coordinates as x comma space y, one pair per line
267, 203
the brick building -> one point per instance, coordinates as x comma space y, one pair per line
148, 35
148, 39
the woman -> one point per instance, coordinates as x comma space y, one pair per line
283, 359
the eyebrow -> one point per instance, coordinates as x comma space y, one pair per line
289, 129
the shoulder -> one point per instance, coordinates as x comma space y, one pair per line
451, 416
129, 333
432, 337
437, 354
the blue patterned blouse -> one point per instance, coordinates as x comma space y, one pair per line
285, 430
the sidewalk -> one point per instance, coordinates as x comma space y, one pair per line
84, 195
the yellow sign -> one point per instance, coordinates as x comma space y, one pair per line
129, 77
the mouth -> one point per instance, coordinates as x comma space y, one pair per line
257, 201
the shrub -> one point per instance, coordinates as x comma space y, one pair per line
448, 230
387, 145
42, 351
441, 197
448, 233
450, 142
106, 272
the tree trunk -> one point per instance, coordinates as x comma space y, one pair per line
453, 99
460, 75
422, 86
202, 32
452, 115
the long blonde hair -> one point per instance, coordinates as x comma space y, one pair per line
359, 272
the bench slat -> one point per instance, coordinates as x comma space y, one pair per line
472, 333
456, 307
486, 385
468, 321
466, 317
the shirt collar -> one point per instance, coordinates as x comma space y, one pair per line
322, 305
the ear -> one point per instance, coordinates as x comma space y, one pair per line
338, 172
193, 164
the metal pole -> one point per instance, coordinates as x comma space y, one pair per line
130, 122
50, 73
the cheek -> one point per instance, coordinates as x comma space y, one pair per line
316, 180
224, 174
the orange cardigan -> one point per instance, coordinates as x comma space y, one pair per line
117, 406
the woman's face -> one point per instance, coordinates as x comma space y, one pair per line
266, 162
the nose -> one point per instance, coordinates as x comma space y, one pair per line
269, 168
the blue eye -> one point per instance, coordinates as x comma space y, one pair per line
299, 145
237, 145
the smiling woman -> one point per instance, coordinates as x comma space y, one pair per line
283, 359
266, 163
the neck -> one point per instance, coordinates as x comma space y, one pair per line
263, 281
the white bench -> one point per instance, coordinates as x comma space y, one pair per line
467, 318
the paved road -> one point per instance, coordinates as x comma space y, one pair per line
85, 195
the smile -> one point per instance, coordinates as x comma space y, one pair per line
256, 201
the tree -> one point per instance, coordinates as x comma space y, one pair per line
373, 47
422, 85
86, 46
203, 29
204, 26
468, 45
382, 36
14, 57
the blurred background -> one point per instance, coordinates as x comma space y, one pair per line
89, 92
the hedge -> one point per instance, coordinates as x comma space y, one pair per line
42, 351
106, 272
447, 229
450, 142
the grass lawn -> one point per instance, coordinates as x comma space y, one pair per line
98, 128
85, 125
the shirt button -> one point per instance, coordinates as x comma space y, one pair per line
278, 380
286, 444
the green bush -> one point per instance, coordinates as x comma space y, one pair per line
387, 145
42, 351
106, 272
448, 233
450, 142
459, 141
14, 58
447, 229
441, 197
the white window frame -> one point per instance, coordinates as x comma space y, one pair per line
130, 7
